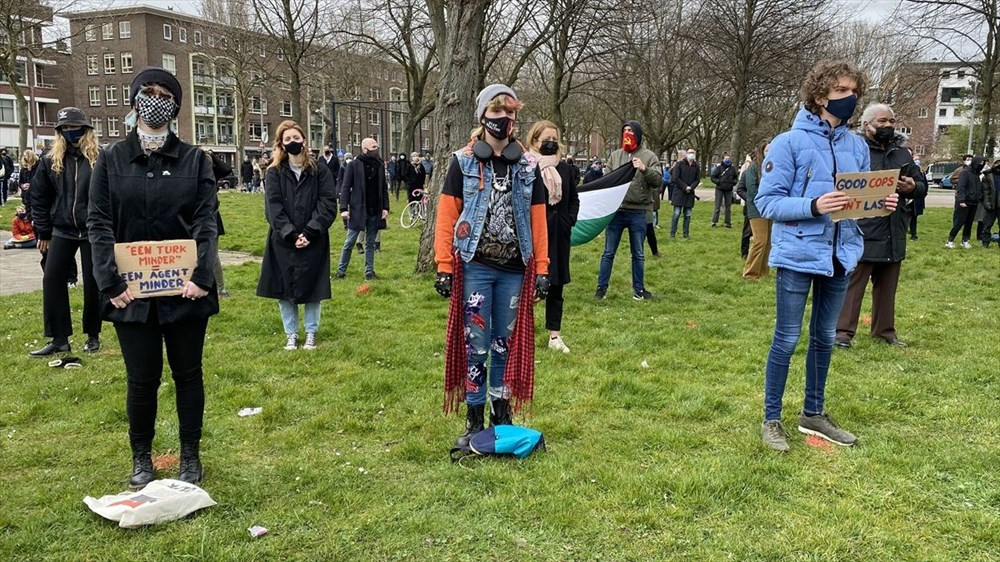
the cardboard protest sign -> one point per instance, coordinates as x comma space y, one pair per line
868, 191
156, 269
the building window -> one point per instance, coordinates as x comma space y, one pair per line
92, 65
905, 130
7, 113
124, 29
90, 32
961, 74
423, 144
919, 150
922, 113
374, 118
182, 34
21, 73
95, 96
111, 93
263, 52
943, 112
375, 94
356, 139
257, 105
109, 63
168, 32
211, 41
356, 93
170, 63
126, 93
108, 31
425, 125
255, 130
286, 108
281, 54
98, 124
946, 74
112, 126
126, 63
197, 38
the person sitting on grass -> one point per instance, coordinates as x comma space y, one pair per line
23, 234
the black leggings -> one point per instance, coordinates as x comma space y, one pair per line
651, 237
962, 220
60, 263
554, 308
142, 348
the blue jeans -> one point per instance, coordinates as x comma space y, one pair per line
635, 222
290, 316
687, 221
491, 298
371, 231
792, 289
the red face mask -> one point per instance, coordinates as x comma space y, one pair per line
628, 141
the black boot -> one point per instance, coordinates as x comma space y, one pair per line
142, 466
473, 423
191, 470
93, 344
500, 412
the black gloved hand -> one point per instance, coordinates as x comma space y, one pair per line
443, 284
542, 285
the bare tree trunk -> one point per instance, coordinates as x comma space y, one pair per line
990, 65
22, 116
461, 51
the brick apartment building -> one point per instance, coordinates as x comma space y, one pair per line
110, 46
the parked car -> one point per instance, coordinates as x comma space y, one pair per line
228, 182
939, 174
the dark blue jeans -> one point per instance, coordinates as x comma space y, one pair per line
491, 298
792, 289
635, 222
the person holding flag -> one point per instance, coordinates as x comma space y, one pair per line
645, 185
492, 254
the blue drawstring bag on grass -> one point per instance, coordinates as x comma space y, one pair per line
501, 440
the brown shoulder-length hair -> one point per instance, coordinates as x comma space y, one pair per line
824, 76
535, 133
758, 153
278, 150
502, 102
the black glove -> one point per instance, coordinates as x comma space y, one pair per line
542, 286
443, 284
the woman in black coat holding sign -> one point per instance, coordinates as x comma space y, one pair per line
153, 187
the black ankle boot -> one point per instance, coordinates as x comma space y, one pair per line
473, 423
142, 466
191, 470
500, 412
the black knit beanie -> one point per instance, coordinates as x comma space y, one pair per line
156, 75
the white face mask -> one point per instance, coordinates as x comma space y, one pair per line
690, 157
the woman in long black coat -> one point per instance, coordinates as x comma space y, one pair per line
301, 204
561, 212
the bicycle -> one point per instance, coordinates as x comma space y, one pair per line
415, 210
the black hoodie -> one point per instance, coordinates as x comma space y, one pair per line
970, 187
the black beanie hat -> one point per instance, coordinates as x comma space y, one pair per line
156, 75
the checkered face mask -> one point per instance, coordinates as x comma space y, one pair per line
155, 111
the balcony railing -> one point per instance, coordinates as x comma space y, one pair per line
204, 80
226, 111
206, 139
204, 110
46, 124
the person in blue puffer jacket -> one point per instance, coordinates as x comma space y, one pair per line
809, 249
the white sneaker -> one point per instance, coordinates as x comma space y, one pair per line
557, 344
292, 342
949, 244
310, 341
966, 245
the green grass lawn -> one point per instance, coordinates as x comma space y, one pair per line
348, 460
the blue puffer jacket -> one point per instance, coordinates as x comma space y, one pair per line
800, 167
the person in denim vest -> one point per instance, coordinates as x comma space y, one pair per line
491, 249
809, 249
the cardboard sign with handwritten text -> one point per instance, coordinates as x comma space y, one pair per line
868, 191
156, 269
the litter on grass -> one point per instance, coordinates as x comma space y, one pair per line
257, 531
160, 501
247, 412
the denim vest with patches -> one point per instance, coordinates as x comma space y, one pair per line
476, 201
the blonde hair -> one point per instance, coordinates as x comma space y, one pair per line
503, 102
535, 133
29, 159
278, 150
88, 146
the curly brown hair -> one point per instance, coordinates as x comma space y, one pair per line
824, 76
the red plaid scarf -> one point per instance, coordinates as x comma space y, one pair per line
519, 375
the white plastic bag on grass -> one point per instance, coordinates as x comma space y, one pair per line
159, 502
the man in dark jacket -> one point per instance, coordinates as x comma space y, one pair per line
968, 194
330, 160
364, 203
885, 237
685, 177
724, 177
246, 173
990, 204
594, 172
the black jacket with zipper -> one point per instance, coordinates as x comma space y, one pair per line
167, 195
59, 201
885, 237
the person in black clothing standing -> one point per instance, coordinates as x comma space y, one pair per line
364, 204
246, 173
990, 204
332, 163
685, 176
885, 237
60, 192
150, 187
5, 173
968, 193
415, 177
724, 177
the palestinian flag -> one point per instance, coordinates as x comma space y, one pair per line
599, 200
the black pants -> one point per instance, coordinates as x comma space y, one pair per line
913, 226
74, 275
59, 264
651, 238
962, 220
985, 229
142, 348
746, 236
554, 308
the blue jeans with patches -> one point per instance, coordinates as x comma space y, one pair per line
635, 222
491, 298
792, 288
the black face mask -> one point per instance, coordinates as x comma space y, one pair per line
372, 154
548, 148
22, 216
294, 148
327, 152
498, 127
885, 134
